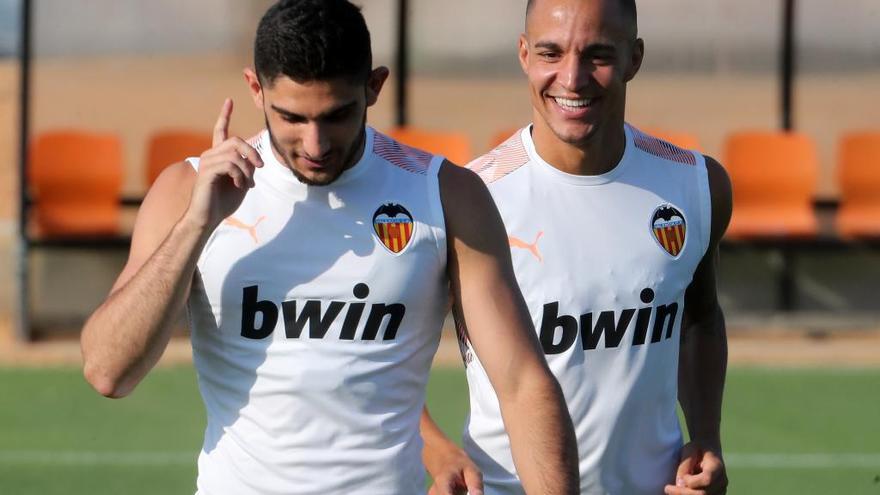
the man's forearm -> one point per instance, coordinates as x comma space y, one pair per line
542, 437
128, 333
437, 445
701, 372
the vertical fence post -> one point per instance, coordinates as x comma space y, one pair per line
788, 63
788, 276
22, 272
402, 62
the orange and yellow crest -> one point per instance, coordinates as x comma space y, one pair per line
670, 229
393, 226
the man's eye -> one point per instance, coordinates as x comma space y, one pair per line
549, 55
603, 58
338, 116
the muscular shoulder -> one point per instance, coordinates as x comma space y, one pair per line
467, 205
721, 194
176, 172
172, 189
460, 188
164, 204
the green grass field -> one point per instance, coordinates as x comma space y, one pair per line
786, 432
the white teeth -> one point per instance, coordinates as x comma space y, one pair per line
573, 104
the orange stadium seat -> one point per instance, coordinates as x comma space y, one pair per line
167, 147
858, 175
681, 139
774, 176
76, 181
455, 146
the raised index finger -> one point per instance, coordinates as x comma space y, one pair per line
221, 128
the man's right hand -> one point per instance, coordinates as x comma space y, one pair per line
226, 172
454, 473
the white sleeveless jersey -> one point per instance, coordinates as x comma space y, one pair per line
315, 313
603, 263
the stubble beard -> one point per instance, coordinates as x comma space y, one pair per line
348, 161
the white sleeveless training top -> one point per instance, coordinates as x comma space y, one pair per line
603, 263
316, 312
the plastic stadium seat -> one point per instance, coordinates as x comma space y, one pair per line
774, 176
75, 181
455, 146
168, 147
684, 140
858, 175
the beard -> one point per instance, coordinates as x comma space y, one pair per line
350, 156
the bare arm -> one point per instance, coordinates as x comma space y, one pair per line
703, 359
488, 301
450, 467
125, 337
128, 333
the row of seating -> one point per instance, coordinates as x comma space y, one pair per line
76, 178
775, 178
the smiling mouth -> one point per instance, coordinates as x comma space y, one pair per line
573, 104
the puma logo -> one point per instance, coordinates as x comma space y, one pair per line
532, 248
251, 229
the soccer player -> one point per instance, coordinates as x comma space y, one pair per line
614, 236
315, 262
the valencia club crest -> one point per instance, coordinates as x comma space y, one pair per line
669, 228
393, 226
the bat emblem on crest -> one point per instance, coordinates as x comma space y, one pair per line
393, 226
669, 228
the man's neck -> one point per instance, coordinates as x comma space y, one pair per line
598, 155
357, 152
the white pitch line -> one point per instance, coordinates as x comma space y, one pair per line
733, 460
74, 458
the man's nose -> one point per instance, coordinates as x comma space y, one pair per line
315, 142
575, 73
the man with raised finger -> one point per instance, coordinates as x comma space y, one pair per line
614, 237
315, 262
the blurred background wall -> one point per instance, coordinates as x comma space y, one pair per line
134, 67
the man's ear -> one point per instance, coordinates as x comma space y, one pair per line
635, 60
375, 81
255, 87
523, 53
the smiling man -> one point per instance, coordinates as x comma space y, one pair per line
620, 281
315, 262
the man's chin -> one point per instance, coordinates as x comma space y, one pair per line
576, 136
316, 179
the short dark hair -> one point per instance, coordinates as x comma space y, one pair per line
313, 40
629, 8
